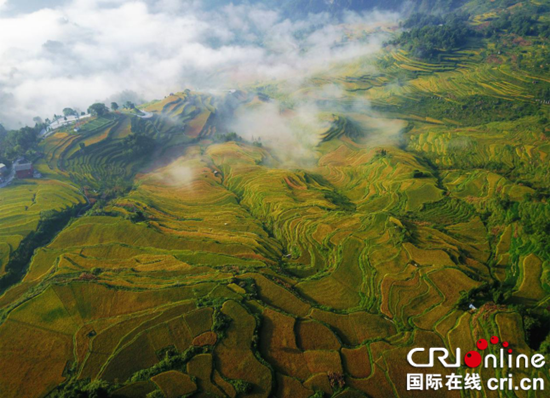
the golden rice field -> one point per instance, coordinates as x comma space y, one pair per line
21, 205
213, 267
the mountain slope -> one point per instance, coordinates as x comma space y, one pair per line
215, 262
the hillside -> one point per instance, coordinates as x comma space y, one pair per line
176, 251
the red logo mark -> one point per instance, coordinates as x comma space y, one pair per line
482, 344
472, 359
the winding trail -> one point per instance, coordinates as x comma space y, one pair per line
146, 115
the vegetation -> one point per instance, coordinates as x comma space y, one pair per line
522, 22
83, 389
16, 143
171, 361
51, 222
69, 112
98, 109
241, 386
167, 256
430, 35
231, 136
137, 145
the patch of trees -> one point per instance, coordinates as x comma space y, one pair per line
537, 62
241, 386
420, 174
220, 322
135, 216
22, 142
227, 137
339, 200
430, 35
140, 126
473, 110
542, 92
495, 292
98, 109
173, 360
69, 112
83, 389
137, 145
534, 218
521, 22
129, 105
544, 347
536, 325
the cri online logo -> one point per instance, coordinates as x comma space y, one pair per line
473, 359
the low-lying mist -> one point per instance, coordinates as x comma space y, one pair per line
294, 129
82, 51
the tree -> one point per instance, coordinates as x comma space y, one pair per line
241, 386
231, 136
18, 143
114, 106
68, 112
37, 120
129, 105
430, 35
98, 109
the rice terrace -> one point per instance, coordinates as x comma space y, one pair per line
329, 186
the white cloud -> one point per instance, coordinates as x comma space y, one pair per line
90, 50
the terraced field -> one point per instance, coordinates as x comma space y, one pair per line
21, 206
208, 265
328, 286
